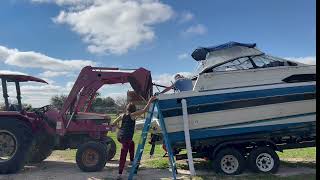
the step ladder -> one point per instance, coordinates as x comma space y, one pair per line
142, 142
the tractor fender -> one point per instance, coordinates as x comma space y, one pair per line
18, 116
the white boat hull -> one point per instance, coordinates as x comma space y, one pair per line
240, 110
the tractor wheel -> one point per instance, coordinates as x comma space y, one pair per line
15, 142
41, 148
111, 148
229, 161
91, 156
264, 160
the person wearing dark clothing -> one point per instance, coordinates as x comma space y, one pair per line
126, 131
181, 84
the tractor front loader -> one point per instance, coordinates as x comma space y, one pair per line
29, 136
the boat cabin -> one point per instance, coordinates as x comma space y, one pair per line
235, 64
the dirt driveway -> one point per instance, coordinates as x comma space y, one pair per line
68, 170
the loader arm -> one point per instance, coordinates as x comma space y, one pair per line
91, 79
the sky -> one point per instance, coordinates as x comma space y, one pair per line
54, 39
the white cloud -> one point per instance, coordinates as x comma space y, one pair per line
11, 72
50, 74
305, 60
31, 59
5, 52
185, 17
183, 56
198, 29
35, 94
167, 79
112, 26
63, 2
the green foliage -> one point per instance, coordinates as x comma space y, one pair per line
99, 104
58, 100
24, 106
104, 105
27, 106
2, 106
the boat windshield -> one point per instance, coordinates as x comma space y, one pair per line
250, 62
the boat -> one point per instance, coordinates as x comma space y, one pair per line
241, 91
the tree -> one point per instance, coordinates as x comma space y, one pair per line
2, 106
121, 101
58, 100
27, 107
110, 102
99, 104
104, 105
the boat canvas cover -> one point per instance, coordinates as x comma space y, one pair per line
212, 56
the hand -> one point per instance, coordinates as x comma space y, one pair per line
152, 98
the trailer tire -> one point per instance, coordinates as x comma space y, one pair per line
19, 134
111, 148
91, 156
264, 160
229, 161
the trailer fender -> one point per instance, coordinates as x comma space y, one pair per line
260, 142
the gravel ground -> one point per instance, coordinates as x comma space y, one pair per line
67, 170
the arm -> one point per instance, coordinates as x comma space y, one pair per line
167, 89
145, 109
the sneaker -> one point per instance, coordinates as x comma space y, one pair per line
119, 177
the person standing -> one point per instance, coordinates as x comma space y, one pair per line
126, 131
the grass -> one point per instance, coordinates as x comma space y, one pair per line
308, 154
305, 157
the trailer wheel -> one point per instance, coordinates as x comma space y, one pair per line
15, 141
229, 161
111, 148
91, 156
264, 160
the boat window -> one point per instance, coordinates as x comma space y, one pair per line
253, 62
300, 78
269, 61
238, 64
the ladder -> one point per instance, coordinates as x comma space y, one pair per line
143, 139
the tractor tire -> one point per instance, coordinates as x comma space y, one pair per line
229, 161
263, 160
41, 148
15, 142
111, 148
91, 156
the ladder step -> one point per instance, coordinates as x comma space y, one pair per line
142, 142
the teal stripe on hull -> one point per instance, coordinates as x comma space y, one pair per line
217, 131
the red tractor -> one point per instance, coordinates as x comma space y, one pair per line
31, 136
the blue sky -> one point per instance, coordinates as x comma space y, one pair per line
43, 37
